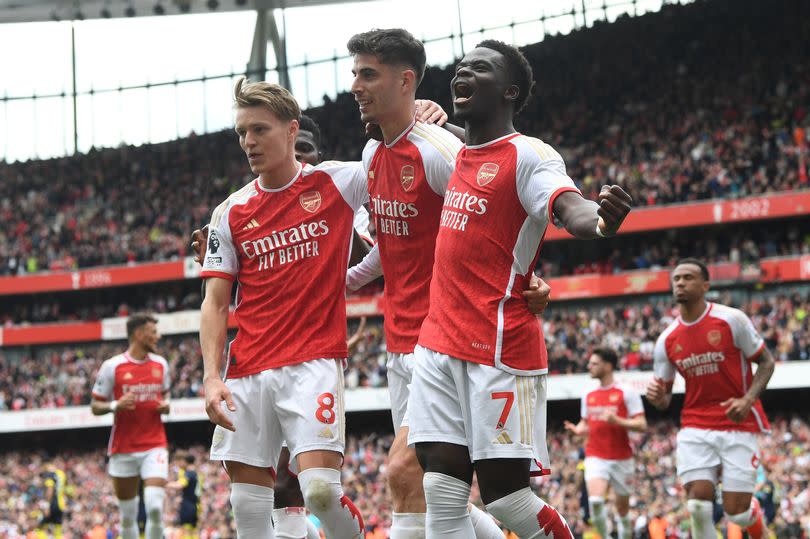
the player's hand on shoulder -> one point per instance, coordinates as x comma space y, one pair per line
127, 402
215, 392
199, 242
429, 112
737, 409
614, 206
537, 295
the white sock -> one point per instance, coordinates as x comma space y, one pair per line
529, 516
323, 495
744, 519
596, 505
312, 530
407, 526
252, 511
447, 515
290, 522
484, 525
129, 518
153, 498
700, 515
623, 527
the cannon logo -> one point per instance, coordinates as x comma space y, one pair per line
714, 337
406, 177
310, 201
486, 173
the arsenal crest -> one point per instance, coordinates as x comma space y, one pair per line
406, 177
486, 173
714, 337
310, 201
155, 372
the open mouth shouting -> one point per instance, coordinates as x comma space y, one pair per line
462, 93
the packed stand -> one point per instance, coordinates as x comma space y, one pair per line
27, 378
666, 106
657, 500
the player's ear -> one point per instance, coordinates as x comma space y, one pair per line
511, 93
409, 80
293, 129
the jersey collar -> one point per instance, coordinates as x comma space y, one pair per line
699, 318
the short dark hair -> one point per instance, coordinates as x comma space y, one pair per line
391, 46
189, 458
139, 320
520, 70
704, 269
305, 123
608, 355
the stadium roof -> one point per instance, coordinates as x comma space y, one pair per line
50, 10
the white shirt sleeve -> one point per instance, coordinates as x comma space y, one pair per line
662, 367
351, 180
746, 337
541, 176
221, 259
105, 380
632, 401
439, 149
167, 376
361, 221
366, 271
583, 408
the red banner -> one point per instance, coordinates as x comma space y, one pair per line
713, 212
102, 277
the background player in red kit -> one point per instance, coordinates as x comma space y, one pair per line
133, 386
284, 373
408, 172
478, 392
712, 346
608, 412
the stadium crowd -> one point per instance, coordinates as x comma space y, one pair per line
668, 108
744, 245
62, 375
658, 502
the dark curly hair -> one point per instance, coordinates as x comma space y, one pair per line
519, 70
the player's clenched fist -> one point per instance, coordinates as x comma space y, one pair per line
127, 402
537, 295
656, 394
215, 392
199, 241
614, 205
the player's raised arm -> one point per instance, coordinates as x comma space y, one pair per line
585, 219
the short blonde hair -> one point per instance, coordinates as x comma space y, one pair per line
264, 94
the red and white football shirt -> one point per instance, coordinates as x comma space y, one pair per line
607, 441
497, 208
140, 429
288, 248
406, 183
714, 356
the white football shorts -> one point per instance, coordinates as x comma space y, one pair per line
302, 404
701, 453
495, 414
618, 473
151, 464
